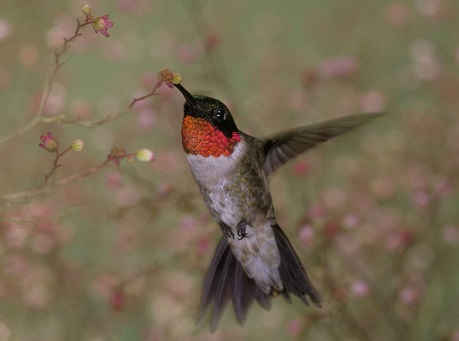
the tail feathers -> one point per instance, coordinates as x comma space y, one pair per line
226, 280
292, 271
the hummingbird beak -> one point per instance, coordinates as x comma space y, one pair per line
188, 97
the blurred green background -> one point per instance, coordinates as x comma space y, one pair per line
122, 253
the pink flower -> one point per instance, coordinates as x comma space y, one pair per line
372, 101
187, 53
146, 118
398, 14
102, 24
409, 295
317, 211
422, 199
114, 180
399, 240
302, 168
331, 229
5, 29
203, 246
338, 68
450, 234
360, 288
49, 143
351, 221
212, 41
295, 327
307, 234
117, 300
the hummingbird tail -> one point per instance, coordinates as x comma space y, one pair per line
293, 273
226, 280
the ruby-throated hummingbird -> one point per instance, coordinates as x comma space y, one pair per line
254, 258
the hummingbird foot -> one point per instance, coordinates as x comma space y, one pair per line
242, 229
226, 230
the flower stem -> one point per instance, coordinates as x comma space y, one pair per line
48, 85
26, 196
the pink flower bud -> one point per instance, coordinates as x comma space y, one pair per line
49, 143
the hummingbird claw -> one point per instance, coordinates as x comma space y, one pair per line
226, 230
242, 229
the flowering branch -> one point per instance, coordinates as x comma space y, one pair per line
26, 196
50, 144
164, 77
101, 24
116, 155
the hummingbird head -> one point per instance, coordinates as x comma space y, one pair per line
208, 127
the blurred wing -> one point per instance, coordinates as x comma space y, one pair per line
281, 147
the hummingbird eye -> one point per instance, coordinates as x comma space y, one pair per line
219, 114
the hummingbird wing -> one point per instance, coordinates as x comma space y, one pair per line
281, 147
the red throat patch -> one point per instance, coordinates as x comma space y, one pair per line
200, 137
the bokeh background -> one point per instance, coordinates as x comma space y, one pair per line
121, 254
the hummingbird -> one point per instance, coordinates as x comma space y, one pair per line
254, 259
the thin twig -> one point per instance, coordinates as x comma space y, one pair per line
95, 123
48, 85
152, 93
56, 164
26, 196
110, 117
